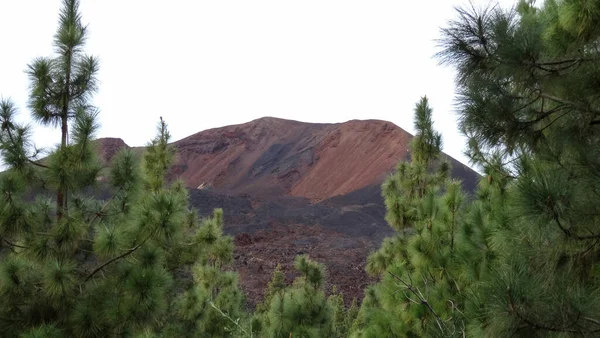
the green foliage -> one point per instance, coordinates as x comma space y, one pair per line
137, 262
215, 299
158, 158
342, 317
300, 310
529, 93
43, 331
275, 287
520, 258
421, 287
351, 316
59, 93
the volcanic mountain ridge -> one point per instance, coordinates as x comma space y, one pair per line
290, 188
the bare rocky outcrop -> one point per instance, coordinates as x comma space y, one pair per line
108, 147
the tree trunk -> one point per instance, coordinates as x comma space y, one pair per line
61, 201
61, 195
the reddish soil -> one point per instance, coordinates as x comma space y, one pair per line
271, 157
344, 257
108, 147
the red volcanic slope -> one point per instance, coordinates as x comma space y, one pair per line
255, 167
108, 147
270, 157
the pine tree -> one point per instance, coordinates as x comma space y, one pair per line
213, 307
528, 101
61, 88
351, 316
276, 286
73, 263
302, 309
340, 314
420, 292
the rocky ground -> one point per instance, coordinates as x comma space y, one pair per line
257, 255
267, 233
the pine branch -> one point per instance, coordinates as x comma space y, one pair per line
554, 70
547, 327
14, 245
528, 104
588, 249
558, 66
10, 136
569, 103
422, 300
592, 320
555, 63
105, 206
553, 121
545, 114
123, 255
9, 319
570, 234
37, 164
235, 322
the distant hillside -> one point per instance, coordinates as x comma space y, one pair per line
270, 157
290, 188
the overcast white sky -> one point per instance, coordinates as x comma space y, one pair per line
206, 64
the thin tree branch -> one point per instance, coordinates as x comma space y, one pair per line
123, 255
8, 319
545, 327
570, 234
528, 104
422, 299
235, 322
557, 66
26, 157
592, 320
553, 121
14, 245
38, 164
105, 205
555, 63
566, 102
589, 249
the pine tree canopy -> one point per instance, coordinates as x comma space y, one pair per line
420, 268
84, 258
301, 310
529, 94
520, 257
